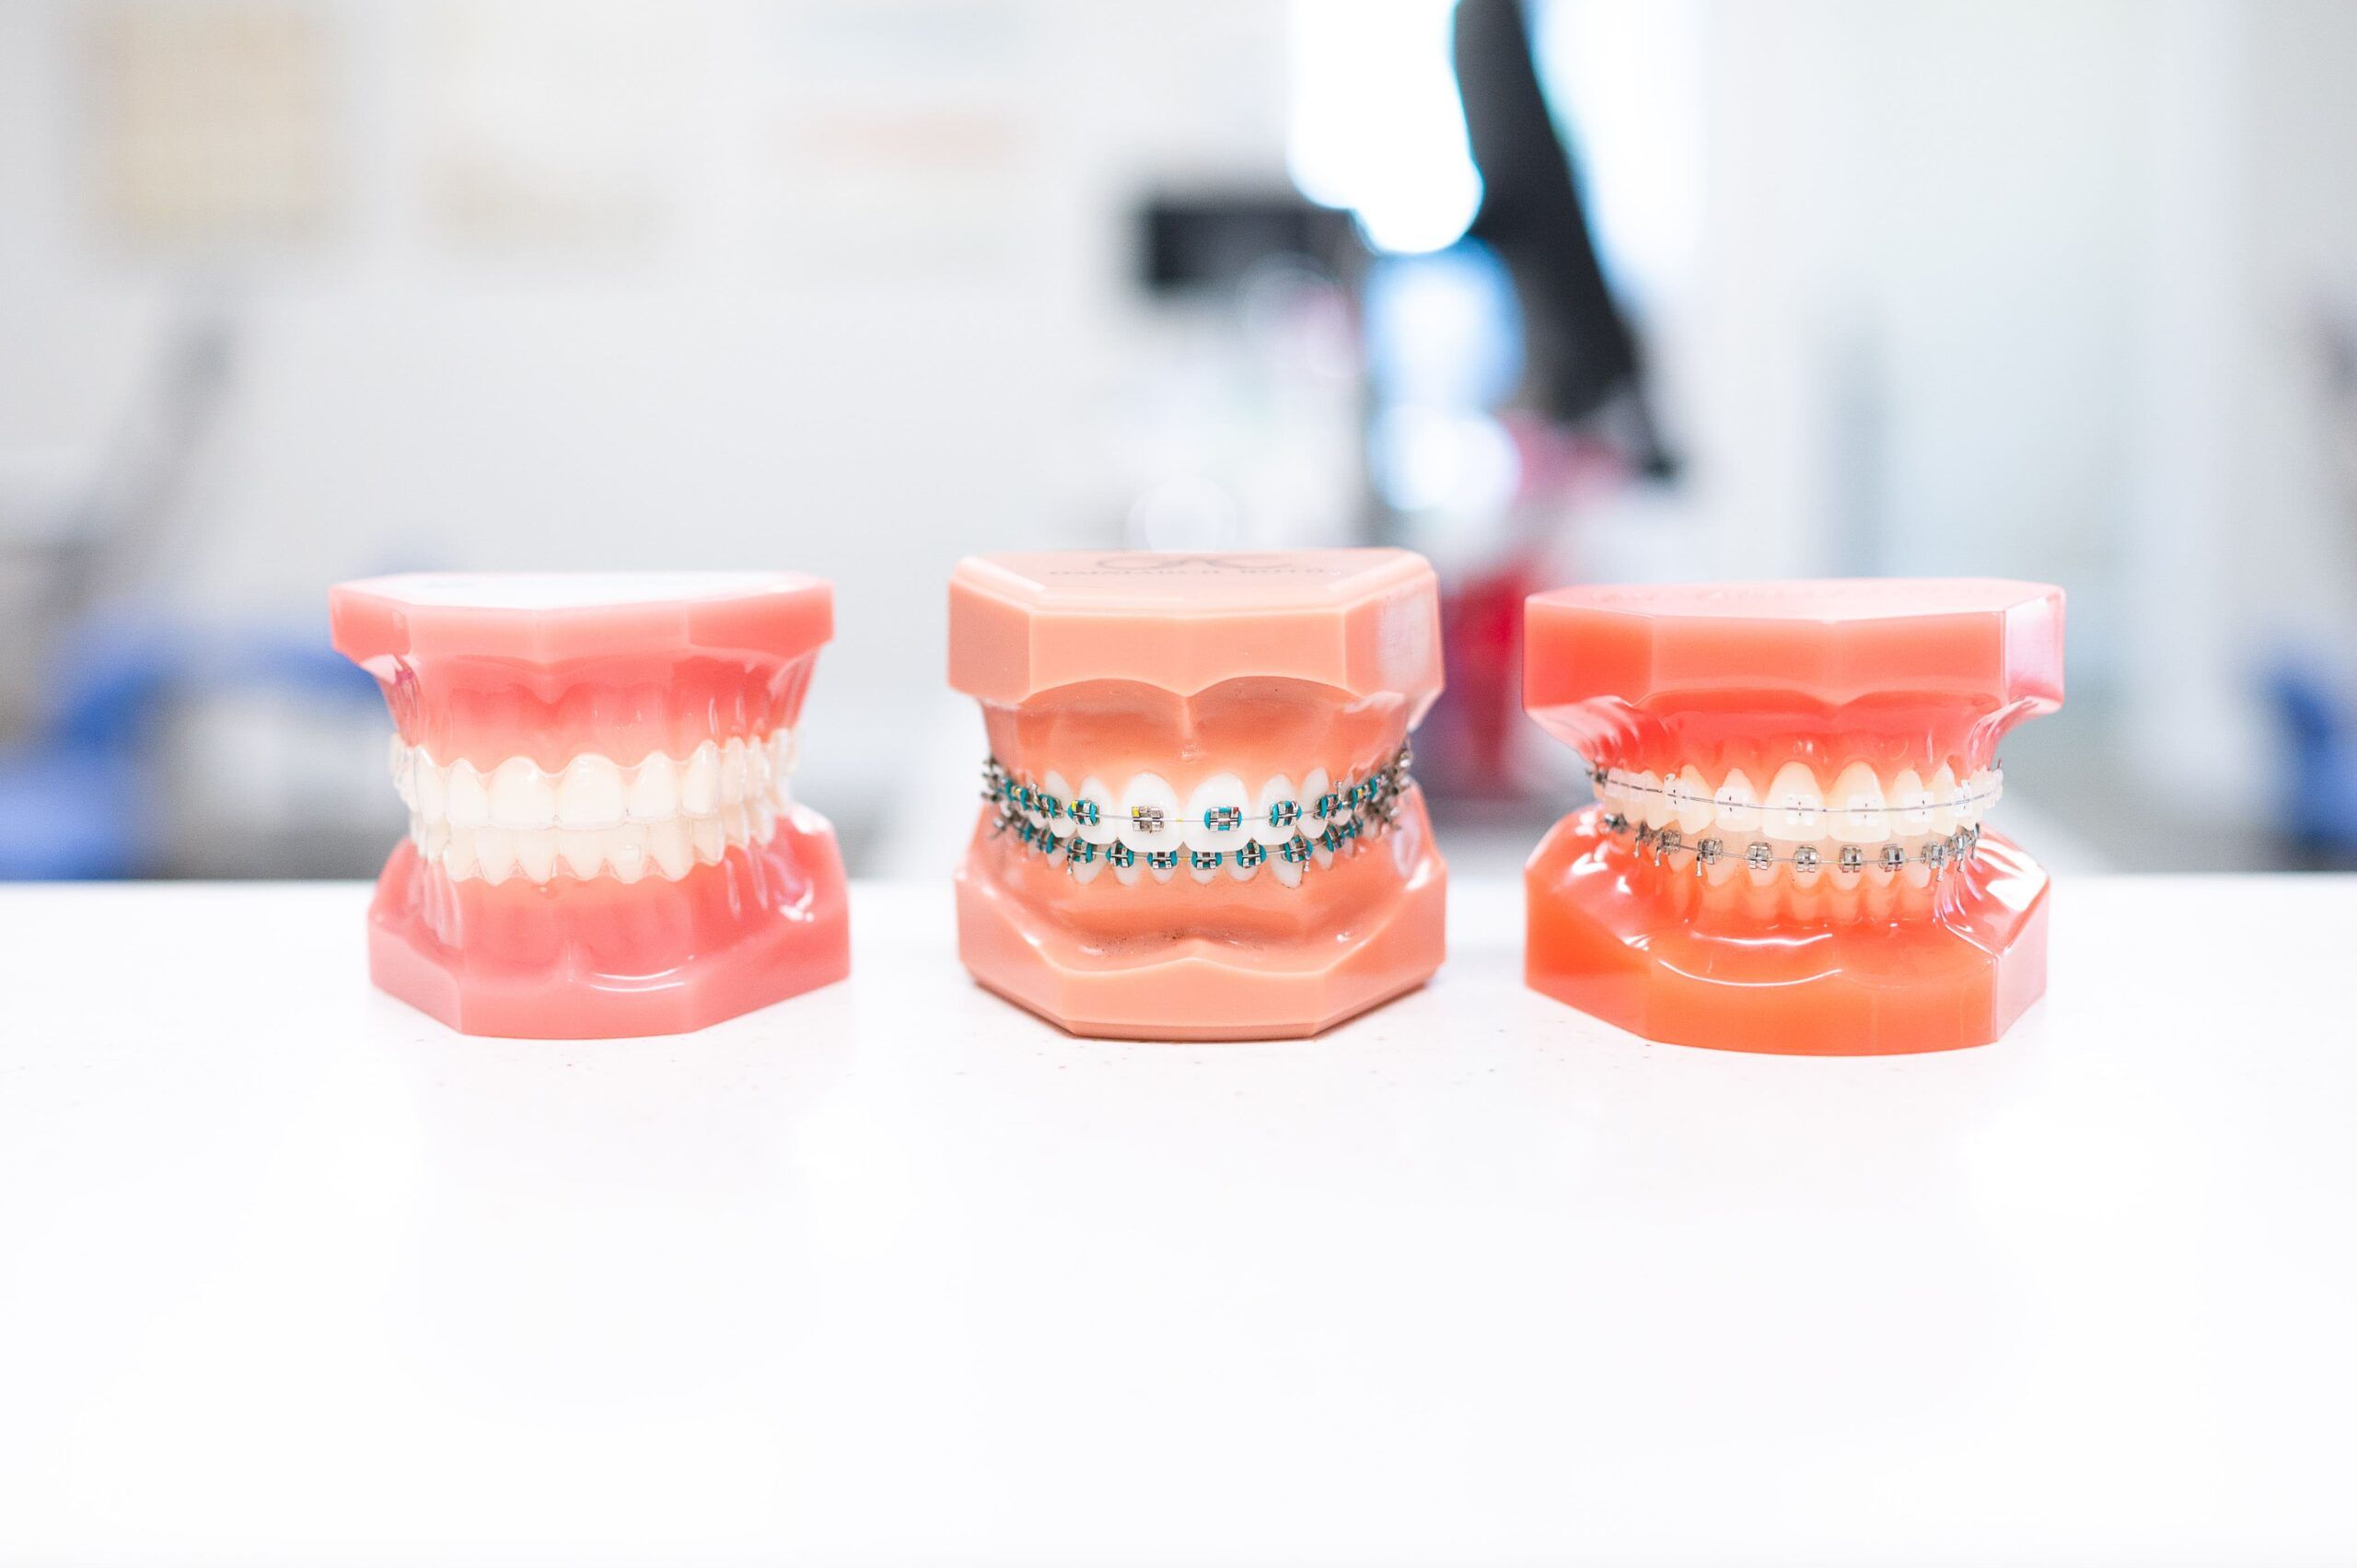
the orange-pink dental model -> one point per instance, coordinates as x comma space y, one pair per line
1198, 821
1787, 852
601, 838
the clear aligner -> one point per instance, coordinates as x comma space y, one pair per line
596, 817
1219, 826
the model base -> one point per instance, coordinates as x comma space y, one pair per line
1663, 956
604, 959
1195, 988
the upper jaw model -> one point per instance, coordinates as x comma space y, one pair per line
1197, 820
602, 840
1788, 850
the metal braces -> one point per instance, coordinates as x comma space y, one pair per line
1352, 811
1664, 842
1602, 775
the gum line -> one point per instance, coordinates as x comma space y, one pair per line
1860, 807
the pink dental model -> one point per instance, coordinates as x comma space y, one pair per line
601, 841
1197, 821
1787, 852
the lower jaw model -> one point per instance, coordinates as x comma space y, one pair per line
602, 840
1790, 850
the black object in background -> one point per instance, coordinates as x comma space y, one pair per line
1583, 358
1212, 242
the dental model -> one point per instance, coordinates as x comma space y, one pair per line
1787, 851
1197, 819
602, 840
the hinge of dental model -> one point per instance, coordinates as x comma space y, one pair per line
1348, 811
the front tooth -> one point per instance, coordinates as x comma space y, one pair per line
732, 822
1313, 787
1086, 871
1795, 811
1648, 807
521, 795
1911, 803
1857, 804
764, 820
711, 841
582, 852
1943, 794
1054, 784
432, 786
1150, 793
495, 852
673, 847
1738, 805
1286, 872
1239, 871
434, 839
654, 789
458, 854
626, 851
1107, 826
536, 855
1222, 793
700, 781
1127, 876
1204, 875
1692, 801
1163, 873
1276, 792
470, 806
590, 793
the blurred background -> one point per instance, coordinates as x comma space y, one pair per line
298, 290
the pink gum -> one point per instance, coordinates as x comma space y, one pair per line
1760, 732
487, 710
1254, 728
577, 960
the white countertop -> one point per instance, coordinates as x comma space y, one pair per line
895, 1273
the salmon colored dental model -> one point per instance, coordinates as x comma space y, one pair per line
601, 841
1197, 819
1786, 854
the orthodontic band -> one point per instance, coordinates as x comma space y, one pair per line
1708, 850
1363, 808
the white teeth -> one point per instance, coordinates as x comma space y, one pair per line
780, 750
700, 781
1911, 802
470, 806
521, 795
1107, 826
1054, 784
536, 855
1286, 872
403, 762
1277, 790
1795, 811
496, 853
1857, 806
1690, 800
1214, 814
655, 790
673, 847
710, 839
1978, 795
1239, 871
1314, 788
732, 772
590, 793
626, 852
1150, 815
1127, 876
1943, 792
1086, 871
1738, 804
459, 854
583, 853
1647, 805
1163, 873
433, 797
1203, 873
